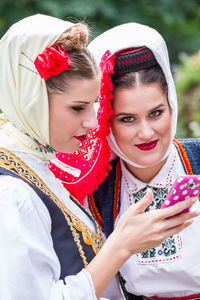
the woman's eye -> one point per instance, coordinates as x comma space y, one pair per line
156, 113
77, 108
127, 119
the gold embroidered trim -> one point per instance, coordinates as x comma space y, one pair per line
10, 161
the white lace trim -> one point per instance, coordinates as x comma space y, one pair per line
66, 168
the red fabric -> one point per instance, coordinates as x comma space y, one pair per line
197, 296
92, 157
52, 61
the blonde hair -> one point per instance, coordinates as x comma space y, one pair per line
74, 38
74, 42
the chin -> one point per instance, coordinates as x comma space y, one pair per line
71, 149
151, 163
67, 149
148, 163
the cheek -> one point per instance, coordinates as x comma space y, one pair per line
59, 122
117, 129
164, 129
167, 125
123, 134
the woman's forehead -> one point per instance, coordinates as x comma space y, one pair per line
145, 96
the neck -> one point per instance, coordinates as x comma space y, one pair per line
145, 174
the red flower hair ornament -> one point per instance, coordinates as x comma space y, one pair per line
52, 61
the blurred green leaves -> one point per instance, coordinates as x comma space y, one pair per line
177, 20
187, 79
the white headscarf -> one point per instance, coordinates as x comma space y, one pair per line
23, 94
136, 35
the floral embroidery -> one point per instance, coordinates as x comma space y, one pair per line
41, 148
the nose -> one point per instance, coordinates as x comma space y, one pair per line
90, 121
145, 131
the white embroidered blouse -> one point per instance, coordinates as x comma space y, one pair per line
29, 265
172, 269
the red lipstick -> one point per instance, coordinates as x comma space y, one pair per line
147, 146
81, 138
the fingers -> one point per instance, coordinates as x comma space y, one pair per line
177, 208
179, 219
144, 202
178, 228
139, 207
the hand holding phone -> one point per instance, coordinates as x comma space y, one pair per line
184, 187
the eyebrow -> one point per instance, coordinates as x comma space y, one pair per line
81, 102
86, 102
157, 107
128, 114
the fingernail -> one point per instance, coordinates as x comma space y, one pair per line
194, 199
148, 191
189, 222
197, 213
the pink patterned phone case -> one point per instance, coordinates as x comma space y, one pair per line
184, 187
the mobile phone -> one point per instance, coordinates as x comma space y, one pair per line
184, 187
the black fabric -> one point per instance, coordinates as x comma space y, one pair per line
63, 242
192, 148
104, 199
133, 60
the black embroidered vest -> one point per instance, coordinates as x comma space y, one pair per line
74, 243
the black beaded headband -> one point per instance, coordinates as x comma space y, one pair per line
134, 59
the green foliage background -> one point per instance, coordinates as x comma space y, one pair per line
177, 20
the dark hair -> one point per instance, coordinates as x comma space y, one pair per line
74, 41
146, 76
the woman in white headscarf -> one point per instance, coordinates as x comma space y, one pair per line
139, 105
48, 241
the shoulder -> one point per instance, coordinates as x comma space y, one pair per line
12, 185
189, 153
191, 146
18, 196
190, 142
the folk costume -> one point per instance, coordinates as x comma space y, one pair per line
46, 236
170, 271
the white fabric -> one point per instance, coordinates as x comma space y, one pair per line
135, 35
113, 291
29, 266
179, 277
23, 94
13, 139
